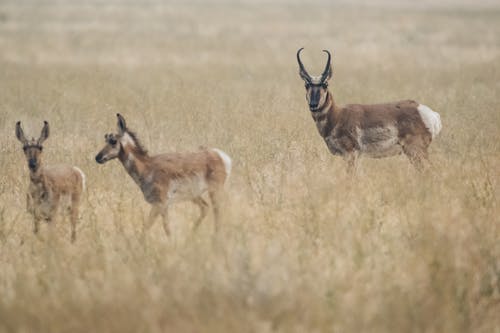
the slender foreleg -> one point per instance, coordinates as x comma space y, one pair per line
52, 218
352, 158
36, 225
153, 214
54, 207
164, 215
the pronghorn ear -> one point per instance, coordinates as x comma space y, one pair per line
20, 133
122, 125
45, 132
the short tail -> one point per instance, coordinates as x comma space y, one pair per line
431, 119
228, 163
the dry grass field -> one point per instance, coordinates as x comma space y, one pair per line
303, 246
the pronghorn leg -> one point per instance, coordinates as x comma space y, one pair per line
164, 216
416, 155
75, 202
29, 204
54, 207
215, 197
52, 220
36, 225
153, 214
203, 210
352, 162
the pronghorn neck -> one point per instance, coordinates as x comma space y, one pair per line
325, 117
134, 159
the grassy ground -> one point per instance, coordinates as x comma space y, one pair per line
304, 248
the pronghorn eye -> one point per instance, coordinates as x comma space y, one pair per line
25, 148
307, 85
41, 148
324, 85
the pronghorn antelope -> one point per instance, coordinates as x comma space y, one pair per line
49, 185
376, 130
168, 178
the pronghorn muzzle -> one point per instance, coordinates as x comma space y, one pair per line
99, 158
315, 93
32, 164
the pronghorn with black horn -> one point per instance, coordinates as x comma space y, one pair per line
168, 178
375, 130
49, 185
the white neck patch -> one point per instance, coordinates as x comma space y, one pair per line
127, 140
130, 160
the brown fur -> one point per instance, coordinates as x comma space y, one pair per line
344, 122
166, 178
378, 130
50, 184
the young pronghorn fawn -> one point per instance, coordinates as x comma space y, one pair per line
49, 185
375, 130
168, 178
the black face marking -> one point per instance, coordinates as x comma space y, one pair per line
32, 164
316, 92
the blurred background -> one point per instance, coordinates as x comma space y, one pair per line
304, 247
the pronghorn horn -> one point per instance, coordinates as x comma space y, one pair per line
303, 73
327, 73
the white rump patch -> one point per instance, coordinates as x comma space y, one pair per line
431, 119
83, 176
226, 160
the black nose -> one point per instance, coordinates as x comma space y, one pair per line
98, 158
313, 106
32, 164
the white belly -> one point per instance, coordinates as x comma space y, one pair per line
379, 142
183, 189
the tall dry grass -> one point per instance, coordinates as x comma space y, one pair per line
304, 248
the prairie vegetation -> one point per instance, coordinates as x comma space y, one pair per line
303, 247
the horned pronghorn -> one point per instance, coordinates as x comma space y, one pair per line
167, 178
376, 130
49, 185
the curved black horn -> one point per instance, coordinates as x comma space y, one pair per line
303, 73
327, 73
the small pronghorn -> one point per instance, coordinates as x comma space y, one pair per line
376, 130
49, 185
168, 178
